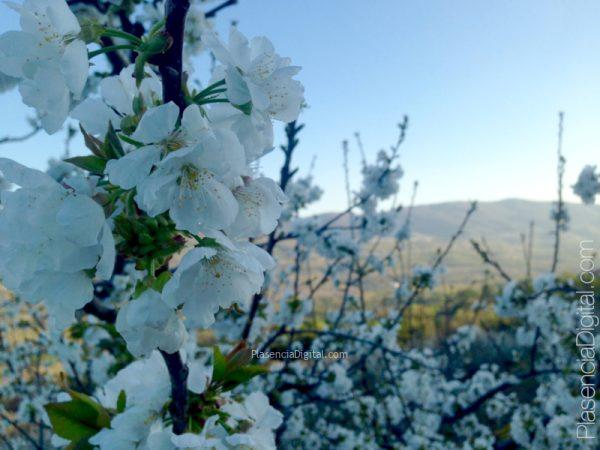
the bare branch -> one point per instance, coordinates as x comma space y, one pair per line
213, 12
485, 255
170, 65
178, 373
560, 213
10, 139
287, 173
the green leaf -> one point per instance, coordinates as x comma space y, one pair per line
70, 421
78, 419
219, 365
242, 375
94, 144
81, 445
240, 356
121, 401
112, 145
129, 124
93, 164
103, 418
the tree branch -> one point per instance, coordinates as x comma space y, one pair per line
438, 261
170, 65
286, 174
213, 12
178, 373
485, 255
24, 137
171, 70
96, 308
560, 218
475, 405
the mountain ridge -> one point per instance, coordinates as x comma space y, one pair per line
500, 224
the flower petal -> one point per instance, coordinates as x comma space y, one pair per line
95, 115
24, 176
157, 123
75, 66
134, 167
114, 93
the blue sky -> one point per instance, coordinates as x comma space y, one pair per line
482, 83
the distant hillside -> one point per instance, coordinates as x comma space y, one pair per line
500, 223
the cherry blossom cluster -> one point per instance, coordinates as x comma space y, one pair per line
587, 185
169, 199
511, 379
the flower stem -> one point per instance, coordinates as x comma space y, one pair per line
210, 89
133, 142
206, 101
156, 27
109, 32
110, 48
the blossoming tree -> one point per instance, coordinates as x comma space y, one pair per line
145, 294
170, 164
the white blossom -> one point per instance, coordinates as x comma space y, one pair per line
126, 431
7, 82
147, 324
192, 180
51, 238
48, 57
150, 392
380, 179
199, 376
588, 185
209, 278
255, 73
211, 437
254, 130
264, 420
117, 96
260, 203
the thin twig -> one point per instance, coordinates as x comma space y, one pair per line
487, 258
438, 261
286, 174
11, 139
20, 430
213, 12
559, 218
